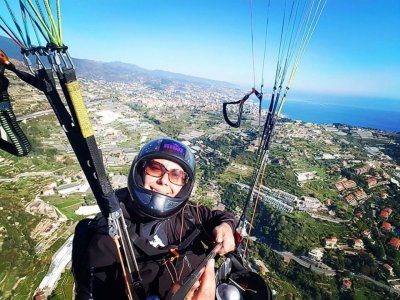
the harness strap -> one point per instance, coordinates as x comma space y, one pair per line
18, 143
154, 253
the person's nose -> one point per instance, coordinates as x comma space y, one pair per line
163, 180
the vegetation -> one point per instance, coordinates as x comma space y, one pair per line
67, 205
64, 289
223, 163
300, 283
20, 268
296, 232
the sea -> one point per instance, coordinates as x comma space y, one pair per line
375, 113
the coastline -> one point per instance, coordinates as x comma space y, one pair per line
373, 115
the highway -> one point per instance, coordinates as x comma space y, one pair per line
60, 259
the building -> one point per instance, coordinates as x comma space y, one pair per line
349, 184
309, 203
75, 187
284, 196
331, 242
68, 188
316, 254
351, 199
360, 194
366, 233
58, 263
277, 203
286, 259
304, 176
88, 210
261, 266
395, 243
372, 182
386, 226
358, 244
48, 191
345, 184
346, 284
385, 213
388, 269
339, 186
363, 169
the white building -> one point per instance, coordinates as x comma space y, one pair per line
316, 254
309, 203
76, 187
304, 176
88, 210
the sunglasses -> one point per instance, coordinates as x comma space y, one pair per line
156, 169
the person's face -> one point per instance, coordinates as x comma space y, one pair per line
162, 184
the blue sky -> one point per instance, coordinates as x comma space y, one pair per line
355, 50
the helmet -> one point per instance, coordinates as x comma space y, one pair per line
228, 292
150, 203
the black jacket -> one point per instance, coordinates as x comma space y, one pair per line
96, 265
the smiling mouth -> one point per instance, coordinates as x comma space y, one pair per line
157, 191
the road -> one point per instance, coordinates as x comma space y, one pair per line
26, 174
59, 261
34, 115
386, 287
306, 264
328, 219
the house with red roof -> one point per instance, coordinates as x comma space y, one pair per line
331, 242
386, 226
351, 199
346, 284
360, 194
372, 182
384, 214
349, 184
395, 243
345, 184
389, 210
339, 186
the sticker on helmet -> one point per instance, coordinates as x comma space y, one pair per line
173, 148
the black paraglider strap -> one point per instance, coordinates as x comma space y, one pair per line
241, 103
18, 144
85, 150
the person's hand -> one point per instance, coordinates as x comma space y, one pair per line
223, 234
204, 289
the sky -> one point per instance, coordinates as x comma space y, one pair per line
355, 49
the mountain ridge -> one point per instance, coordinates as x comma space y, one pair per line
118, 71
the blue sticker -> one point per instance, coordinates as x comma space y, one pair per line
173, 148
